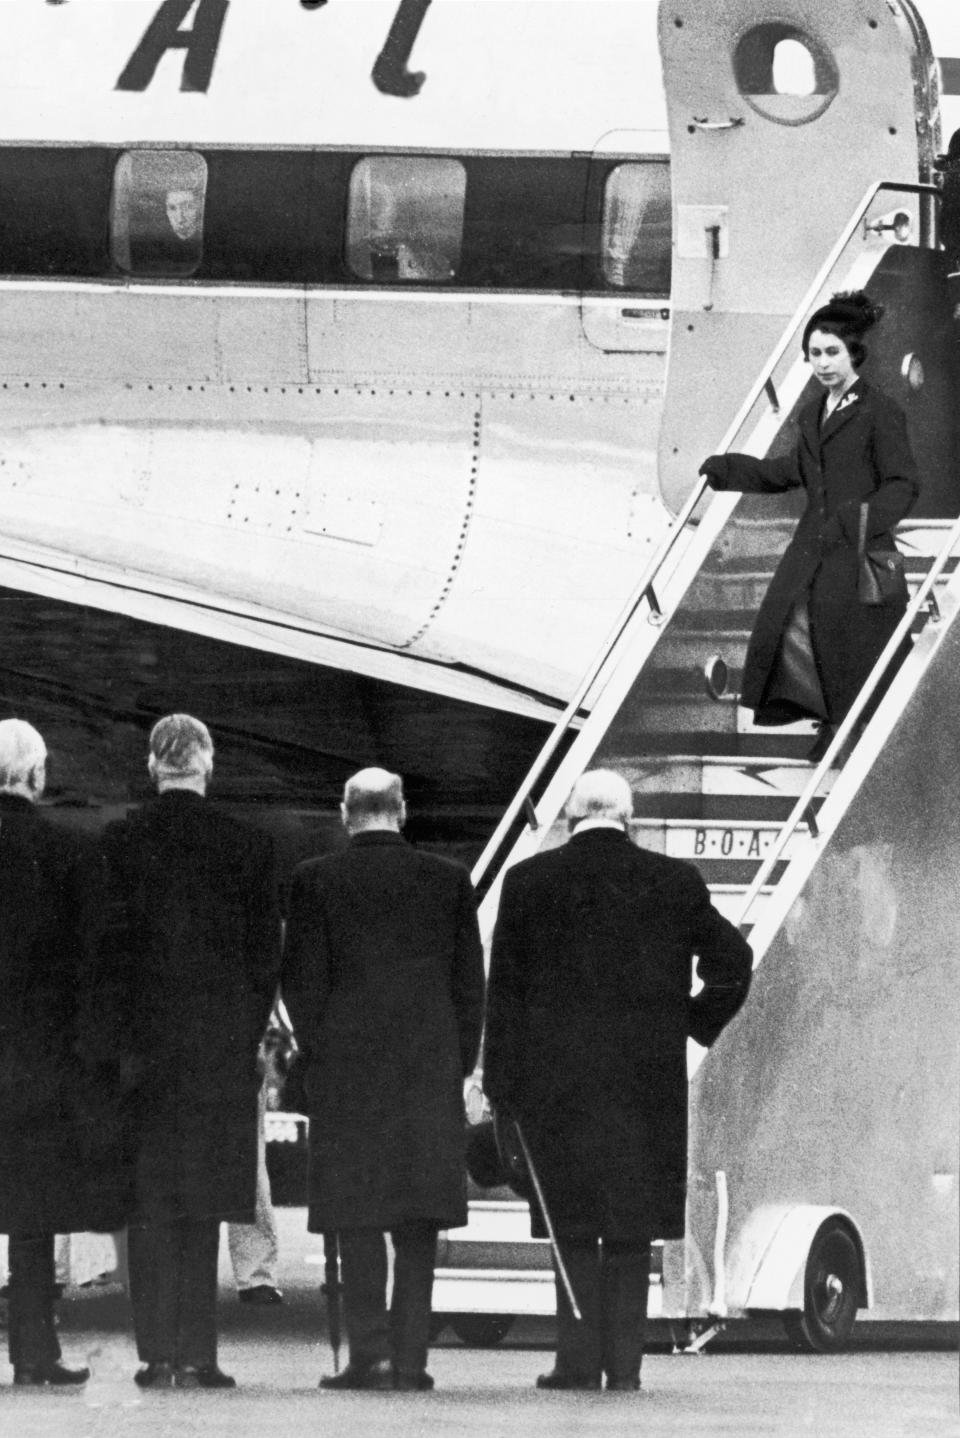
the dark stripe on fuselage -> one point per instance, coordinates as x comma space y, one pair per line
283, 217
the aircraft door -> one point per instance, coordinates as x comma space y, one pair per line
780, 117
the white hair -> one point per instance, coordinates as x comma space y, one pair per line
180, 747
600, 794
22, 756
372, 796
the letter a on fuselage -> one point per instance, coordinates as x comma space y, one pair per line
165, 32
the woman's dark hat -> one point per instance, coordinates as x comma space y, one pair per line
849, 314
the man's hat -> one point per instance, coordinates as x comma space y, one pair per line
495, 1157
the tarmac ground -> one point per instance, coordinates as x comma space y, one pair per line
896, 1381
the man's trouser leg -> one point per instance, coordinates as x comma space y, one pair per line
32, 1336
363, 1271
578, 1340
624, 1291
173, 1291
154, 1263
197, 1324
415, 1254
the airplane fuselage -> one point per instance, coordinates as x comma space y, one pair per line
340, 331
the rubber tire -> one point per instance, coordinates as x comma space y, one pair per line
481, 1330
832, 1283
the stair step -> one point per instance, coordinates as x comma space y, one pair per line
663, 682
804, 729
752, 776
646, 716
725, 809
741, 592
715, 839
698, 719
692, 647
765, 746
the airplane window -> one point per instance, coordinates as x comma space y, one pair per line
156, 213
635, 238
785, 74
405, 218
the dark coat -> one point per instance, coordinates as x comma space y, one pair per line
861, 453
588, 1013
56, 1174
198, 922
383, 979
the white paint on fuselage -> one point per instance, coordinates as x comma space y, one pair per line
499, 526
502, 75
458, 500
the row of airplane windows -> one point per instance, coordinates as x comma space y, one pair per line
316, 217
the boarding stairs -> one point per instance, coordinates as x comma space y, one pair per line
741, 802
746, 805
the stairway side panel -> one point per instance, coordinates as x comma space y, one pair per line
838, 1083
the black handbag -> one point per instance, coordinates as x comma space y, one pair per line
880, 574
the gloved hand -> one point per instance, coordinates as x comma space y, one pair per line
714, 469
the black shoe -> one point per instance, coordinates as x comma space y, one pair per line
155, 1375
35, 1375
209, 1376
264, 1293
821, 744
623, 1385
361, 1375
557, 1378
412, 1382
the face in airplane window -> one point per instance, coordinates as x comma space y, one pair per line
183, 213
830, 360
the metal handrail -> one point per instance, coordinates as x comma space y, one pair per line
644, 590
802, 809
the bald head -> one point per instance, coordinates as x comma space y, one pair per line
373, 799
23, 759
600, 794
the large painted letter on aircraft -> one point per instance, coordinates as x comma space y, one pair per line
390, 73
165, 33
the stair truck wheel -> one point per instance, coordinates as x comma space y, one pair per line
832, 1285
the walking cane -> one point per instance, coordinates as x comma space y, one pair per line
554, 1246
332, 1287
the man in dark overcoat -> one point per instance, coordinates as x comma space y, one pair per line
383, 981
589, 1011
199, 912
51, 903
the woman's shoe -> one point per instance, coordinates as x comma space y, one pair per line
821, 743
